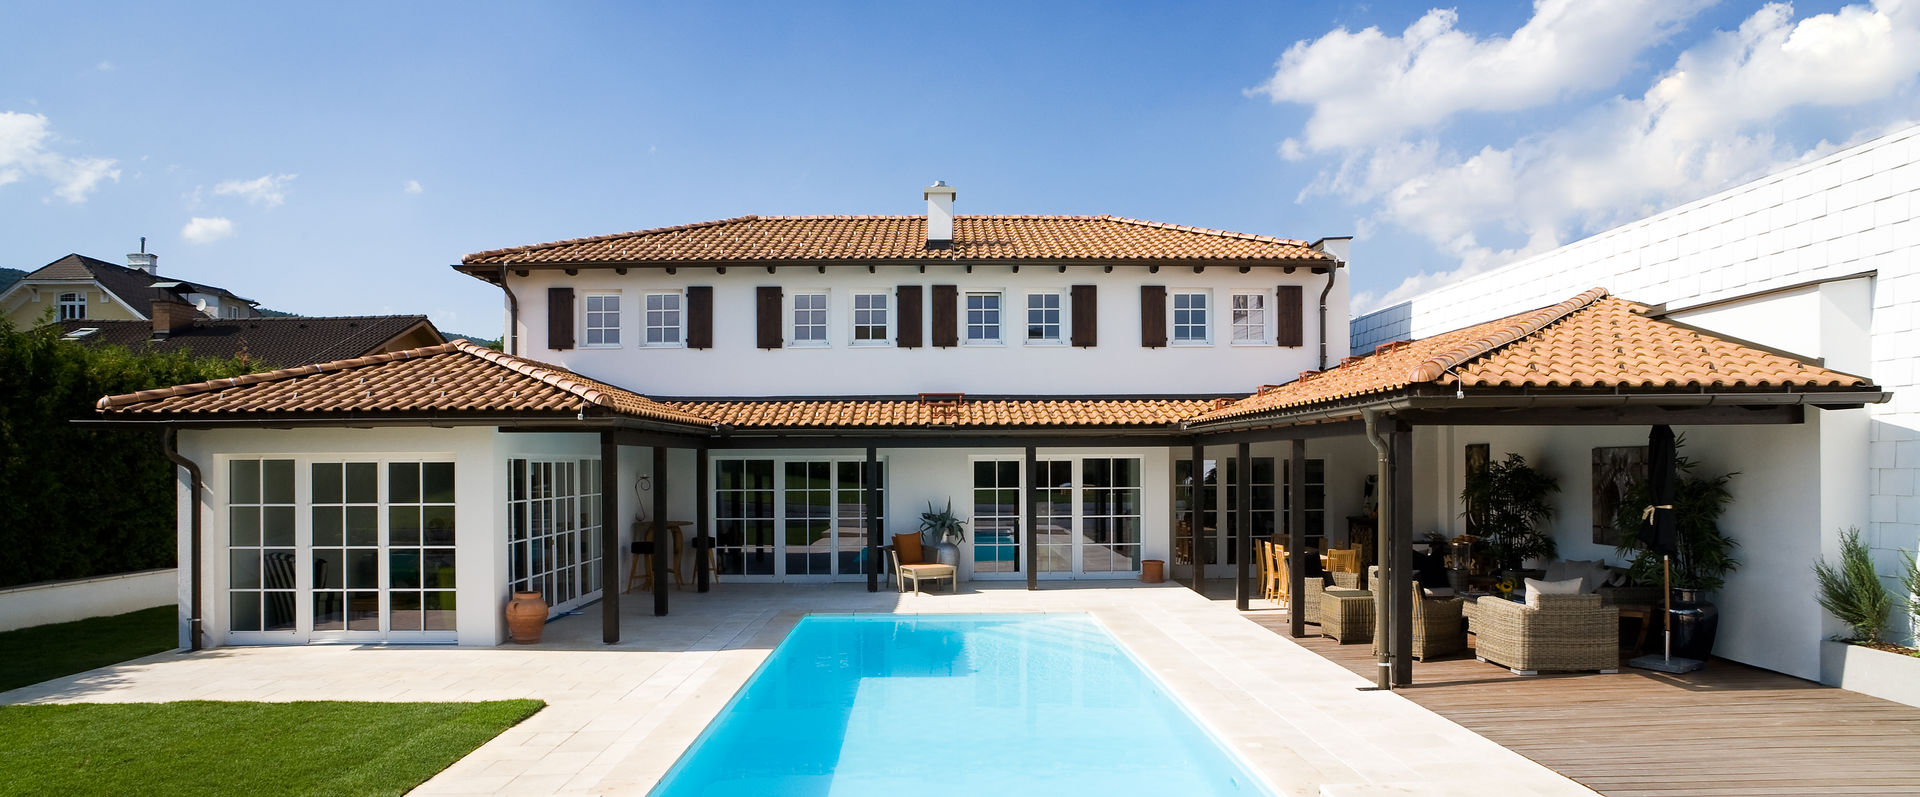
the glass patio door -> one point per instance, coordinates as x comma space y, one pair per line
792, 520
554, 529
1086, 517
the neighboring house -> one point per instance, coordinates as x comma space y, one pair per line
799, 387
1820, 261
77, 287
274, 342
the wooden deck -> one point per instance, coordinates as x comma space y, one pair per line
1727, 730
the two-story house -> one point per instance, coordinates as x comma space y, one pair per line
81, 288
773, 397
775, 383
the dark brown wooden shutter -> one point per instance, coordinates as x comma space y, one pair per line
768, 310
906, 318
946, 316
1086, 315
1153, 316
559, 318
699, 317
1289, 317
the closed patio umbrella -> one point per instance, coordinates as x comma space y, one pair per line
1657, 533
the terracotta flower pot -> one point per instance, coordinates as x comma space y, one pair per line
526, 617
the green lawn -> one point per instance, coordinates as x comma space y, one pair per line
210, 748
32, 655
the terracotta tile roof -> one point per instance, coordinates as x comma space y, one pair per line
852, 413
1099, 239
1590, 341
275, 342
455, 377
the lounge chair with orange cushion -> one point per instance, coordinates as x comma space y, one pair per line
909, 564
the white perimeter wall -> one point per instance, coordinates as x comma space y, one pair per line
735, 367
79, 599
1851, 213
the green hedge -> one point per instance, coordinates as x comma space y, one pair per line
76, 500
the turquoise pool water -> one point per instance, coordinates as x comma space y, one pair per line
976, 705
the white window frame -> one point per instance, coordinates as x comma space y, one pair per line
1173, 316
825, 324
853, 319
587, 313
74, 301
680, 320
1000, 318
1061, 324
1264, 313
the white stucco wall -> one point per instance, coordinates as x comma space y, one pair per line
1855, 213
81, 598
735, 367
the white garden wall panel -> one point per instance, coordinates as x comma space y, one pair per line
81, 598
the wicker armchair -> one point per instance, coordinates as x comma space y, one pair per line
1564, 632
1439, 626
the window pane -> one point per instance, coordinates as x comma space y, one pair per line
328, 525
276, 525
363, 483
403, 525
403, 569
403, 483
363, 525
326, 483
244, 569
437, 482
243, 526
276, 481
438, 522
244, 482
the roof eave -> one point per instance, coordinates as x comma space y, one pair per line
1434, 398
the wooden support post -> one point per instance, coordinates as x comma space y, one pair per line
1030, 517
702, 523
1400, 587
871, 476
1297, 541
609, 539
1243, 534
662, 536
1196, 496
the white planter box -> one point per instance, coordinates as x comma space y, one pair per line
1888, 676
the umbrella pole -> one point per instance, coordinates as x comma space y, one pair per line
1666, 586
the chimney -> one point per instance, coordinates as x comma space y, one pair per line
142, 260
939, 215
171, 315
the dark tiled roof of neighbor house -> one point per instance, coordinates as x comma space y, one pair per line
277, 342
863, 239
455, 378
133, 286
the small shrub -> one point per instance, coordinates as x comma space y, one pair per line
1853, 592
1910, 580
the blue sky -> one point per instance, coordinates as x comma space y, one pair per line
335, 158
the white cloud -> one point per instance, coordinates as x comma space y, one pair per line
1702, 125
268, 191
205, 231
1368, 88
25, 151
412, 187
104, 66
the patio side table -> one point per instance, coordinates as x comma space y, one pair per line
1346, 615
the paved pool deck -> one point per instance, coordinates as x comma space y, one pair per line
618, 716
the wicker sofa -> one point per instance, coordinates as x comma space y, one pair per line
1560, 632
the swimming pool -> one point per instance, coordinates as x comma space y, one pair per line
978, 705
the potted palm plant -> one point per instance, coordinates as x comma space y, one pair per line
943, 532
1507, 505
1703, 554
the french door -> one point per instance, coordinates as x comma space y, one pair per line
1087, 517
339, 550
1216, 546
553, 529
792, 519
